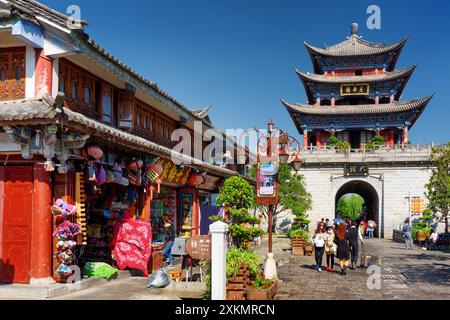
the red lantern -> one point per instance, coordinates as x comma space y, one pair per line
154, 171
195, 179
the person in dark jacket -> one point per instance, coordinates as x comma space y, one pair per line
169, 239
354, 236
343, 248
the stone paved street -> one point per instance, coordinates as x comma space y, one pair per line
404, 275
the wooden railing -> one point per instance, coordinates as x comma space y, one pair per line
407, 152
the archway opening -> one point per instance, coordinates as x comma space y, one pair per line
350, 206
364, 192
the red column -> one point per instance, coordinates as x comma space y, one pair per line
405, 135
41, 242
318, 139
391, 137
305, 139
196, 214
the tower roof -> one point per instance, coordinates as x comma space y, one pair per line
388, 76
355, 46
358, 109
357, 116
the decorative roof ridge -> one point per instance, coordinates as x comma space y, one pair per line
391, 75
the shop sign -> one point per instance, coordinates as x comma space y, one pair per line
199, 247
266, 184
359, 89
171, 173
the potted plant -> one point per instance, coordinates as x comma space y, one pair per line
262, 289
241, 265
299, 238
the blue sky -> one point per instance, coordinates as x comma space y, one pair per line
240, 55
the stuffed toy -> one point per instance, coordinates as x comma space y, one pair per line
63, 209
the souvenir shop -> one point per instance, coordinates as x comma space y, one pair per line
106, 198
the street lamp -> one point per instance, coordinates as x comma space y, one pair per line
284, 153
273, 149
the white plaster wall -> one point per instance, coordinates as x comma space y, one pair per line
30, 68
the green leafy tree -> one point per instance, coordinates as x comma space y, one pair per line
438, 188
292, 196
238, 196
350, 207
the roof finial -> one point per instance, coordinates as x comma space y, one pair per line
354, 28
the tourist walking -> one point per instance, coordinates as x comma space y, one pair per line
407, 234
354, 235
343, 248
169, 239
319, 244
330, 247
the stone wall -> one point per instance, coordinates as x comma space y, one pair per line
324, 183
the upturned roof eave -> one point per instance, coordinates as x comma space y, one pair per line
358, 109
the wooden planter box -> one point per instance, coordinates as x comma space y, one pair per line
237, 286
262, 294
235, 295
298, 247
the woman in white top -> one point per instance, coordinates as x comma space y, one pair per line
330, 247
319, 244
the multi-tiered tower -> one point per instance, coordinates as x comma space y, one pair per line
354, 94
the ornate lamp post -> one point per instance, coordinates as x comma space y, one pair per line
278, 151
281, 146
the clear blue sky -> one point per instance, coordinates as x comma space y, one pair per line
240, 55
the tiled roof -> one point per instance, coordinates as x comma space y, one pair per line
358, 109
27, 109
388, 76
355, 46
33, 9
36, 9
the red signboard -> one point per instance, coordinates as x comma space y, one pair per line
171, 174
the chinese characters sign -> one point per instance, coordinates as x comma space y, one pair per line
266, 183
355, 89
356, 170
171, 174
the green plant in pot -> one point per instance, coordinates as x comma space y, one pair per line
298, 233
237, 258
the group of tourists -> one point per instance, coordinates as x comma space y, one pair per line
339, 241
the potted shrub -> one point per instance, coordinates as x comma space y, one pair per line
262, 289
241, 265
299, 238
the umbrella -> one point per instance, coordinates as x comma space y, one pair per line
339, 220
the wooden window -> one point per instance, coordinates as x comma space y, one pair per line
126, 111
12, 73
138, 119
74, 90
107, 104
